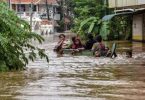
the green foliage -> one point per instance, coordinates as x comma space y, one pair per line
105, 32
119, 28
15, 39
88, 14
61, 26
93, 23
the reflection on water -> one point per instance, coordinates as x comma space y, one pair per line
79, 77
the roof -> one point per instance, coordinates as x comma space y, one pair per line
139, 11
48, 1
109, 17
22, 1
33, 1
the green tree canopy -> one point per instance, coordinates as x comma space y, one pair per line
15, 37
87, 16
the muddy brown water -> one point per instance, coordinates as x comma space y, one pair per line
79, 77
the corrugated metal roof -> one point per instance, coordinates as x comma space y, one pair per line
139, 11
109, 17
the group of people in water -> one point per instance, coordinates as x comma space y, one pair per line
96, 46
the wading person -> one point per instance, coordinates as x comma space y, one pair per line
99, 48
90, 42
76, 45
59, 47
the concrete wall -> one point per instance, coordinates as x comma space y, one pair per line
141, 1
138, 27
27, 8
124, 3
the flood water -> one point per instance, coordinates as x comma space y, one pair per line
79, 77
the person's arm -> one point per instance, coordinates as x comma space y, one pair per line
66, 44
94, 47
60, 43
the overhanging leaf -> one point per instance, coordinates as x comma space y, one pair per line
91, 27
86, 21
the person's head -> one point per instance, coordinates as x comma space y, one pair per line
73, 39
129, 53
61, 36
99, 38
90, 36
77, 41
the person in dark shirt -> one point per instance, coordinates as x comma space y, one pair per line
90, 42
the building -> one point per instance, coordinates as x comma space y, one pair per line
37, 8
126, 4
56, 10
137, 7
25, 5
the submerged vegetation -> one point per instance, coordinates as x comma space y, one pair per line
15, 39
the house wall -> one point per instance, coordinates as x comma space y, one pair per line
138, 27
27, 8
42, 8
125, 3
141, 2
14, 7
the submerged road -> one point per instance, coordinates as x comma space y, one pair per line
78, 77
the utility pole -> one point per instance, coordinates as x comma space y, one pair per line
105, 4
63, 12
62, 4
9, 3
31, 14
53, 14
20, 7
47, 9
116, 1
66, 12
